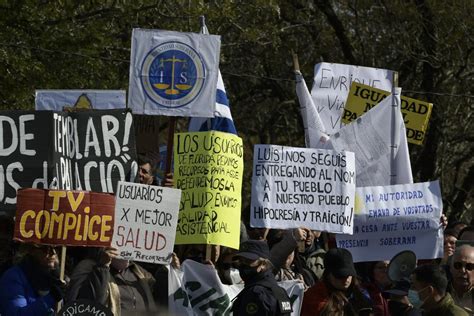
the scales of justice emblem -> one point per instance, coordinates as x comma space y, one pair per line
172, 74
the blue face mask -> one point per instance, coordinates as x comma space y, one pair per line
414, 298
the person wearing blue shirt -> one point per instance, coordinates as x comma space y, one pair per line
33, 286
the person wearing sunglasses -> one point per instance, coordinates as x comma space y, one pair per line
33, 286
462, 271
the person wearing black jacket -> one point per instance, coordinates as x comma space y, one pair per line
261, 295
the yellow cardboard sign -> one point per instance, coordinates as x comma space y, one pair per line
208, 168
416, 113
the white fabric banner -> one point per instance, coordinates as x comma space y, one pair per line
369, 137
394, 218
145, 222
173, 73
197, 290
314, 129
295, 187
56, 100
331, 86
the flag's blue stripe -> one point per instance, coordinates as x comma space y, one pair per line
220, 124
221, 97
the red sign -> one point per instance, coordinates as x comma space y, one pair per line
63, 217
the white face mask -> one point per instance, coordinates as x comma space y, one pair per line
233, 275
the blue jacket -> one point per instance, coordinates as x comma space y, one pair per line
17, 296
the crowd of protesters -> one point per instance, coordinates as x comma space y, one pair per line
333, 285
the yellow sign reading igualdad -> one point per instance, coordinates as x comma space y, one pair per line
208, 168
416, 113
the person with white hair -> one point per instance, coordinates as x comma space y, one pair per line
462, 271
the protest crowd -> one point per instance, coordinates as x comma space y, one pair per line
89, 226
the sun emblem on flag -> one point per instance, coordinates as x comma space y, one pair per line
172, 74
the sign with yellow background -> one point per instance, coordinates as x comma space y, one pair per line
208, 168
416, 113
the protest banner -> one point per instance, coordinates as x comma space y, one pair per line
331, 86
370, 138
86, 150
173, 73
197, 290
302, 187
416, 113
84, 308
208, 168
145, 222
57, 100
390, 219
63, 217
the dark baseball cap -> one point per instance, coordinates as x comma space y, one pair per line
253, 250
338, 262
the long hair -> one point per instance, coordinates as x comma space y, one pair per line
344, 302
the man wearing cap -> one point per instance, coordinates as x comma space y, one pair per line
261, 294
398, 303
338, 292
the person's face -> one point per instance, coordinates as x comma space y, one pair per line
425, 291
380, 273
146, 176
449, 245
462, 268
46, 257
341, 284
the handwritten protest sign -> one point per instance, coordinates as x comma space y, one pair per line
208, 169
331, 86
63, 217
295, 187
87, 150
56, 100
394, 218
145, 222
416, 113
196, 289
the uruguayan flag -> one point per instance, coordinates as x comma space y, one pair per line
222, 120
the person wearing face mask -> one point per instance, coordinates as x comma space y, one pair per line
338, 292
429, 282
462, 272
33, 286
121, 285
261, 294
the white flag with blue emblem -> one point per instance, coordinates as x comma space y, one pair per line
222, 120
173, 73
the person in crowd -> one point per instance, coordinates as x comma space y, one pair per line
378, 283
118, 284
450, 237
7, 249
227, 272
261, 294
466, 234
398, 302
146, 170
429, 283
33, 286
338, 292
462, 272
286, 247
